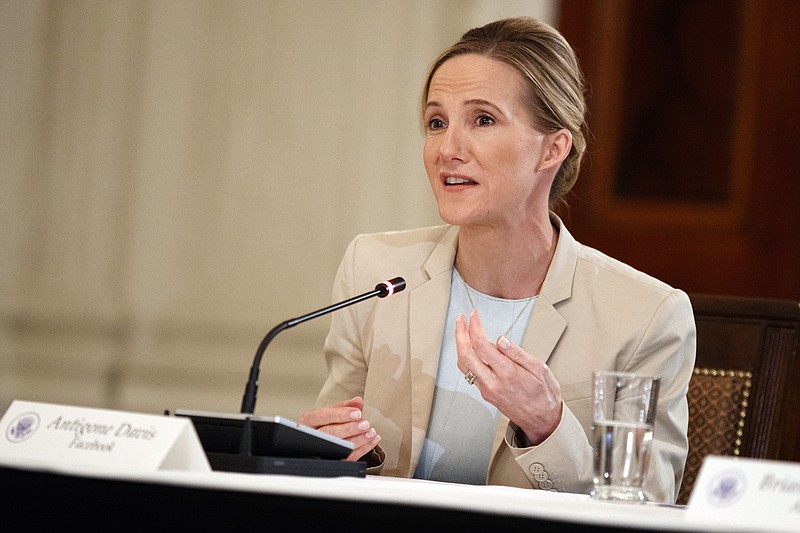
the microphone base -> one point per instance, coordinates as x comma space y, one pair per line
294, 466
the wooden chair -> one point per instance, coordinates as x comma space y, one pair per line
744, 396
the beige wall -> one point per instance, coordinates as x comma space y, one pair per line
177, 177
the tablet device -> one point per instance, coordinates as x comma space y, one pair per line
270, 436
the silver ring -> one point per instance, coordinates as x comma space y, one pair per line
470, 377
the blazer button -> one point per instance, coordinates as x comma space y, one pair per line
541, 476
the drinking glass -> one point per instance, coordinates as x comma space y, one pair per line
623, 417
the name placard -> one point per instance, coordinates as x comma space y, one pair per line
72, 435
749, 493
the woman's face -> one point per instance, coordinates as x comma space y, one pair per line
482, 153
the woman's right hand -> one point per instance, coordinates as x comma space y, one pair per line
344, 421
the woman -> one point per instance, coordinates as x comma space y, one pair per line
481, 371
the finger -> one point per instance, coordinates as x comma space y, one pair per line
515, 353
363, 448
537, 368
356, 401
473, 365
349, 430
341, 413
466, 356
482, 347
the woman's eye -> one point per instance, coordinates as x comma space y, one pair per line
484, 120
435, 124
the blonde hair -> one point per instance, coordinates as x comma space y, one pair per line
555, 81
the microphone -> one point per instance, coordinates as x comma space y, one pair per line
382, 290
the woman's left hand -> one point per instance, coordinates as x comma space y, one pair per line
522, 387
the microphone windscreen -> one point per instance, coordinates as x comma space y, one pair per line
390, 287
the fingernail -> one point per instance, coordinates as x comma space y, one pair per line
371, 433
355, 415
503, 342
363, 426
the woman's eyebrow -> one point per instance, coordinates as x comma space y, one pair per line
472, 101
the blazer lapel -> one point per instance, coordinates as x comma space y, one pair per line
546, 324
425, 334
544, 330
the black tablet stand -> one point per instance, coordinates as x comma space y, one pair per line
270, 445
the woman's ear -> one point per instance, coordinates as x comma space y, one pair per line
556, 148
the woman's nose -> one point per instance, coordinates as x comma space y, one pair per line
452, 145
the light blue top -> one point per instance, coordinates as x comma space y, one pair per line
462, 425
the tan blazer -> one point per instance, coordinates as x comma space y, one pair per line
593, 313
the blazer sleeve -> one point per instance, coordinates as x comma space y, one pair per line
344, 355
564, 461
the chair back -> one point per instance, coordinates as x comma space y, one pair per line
744, 396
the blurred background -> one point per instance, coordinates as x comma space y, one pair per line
177, 177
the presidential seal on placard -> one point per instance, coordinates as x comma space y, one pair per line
22, 427
726, 488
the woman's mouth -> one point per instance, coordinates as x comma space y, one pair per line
456, 180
